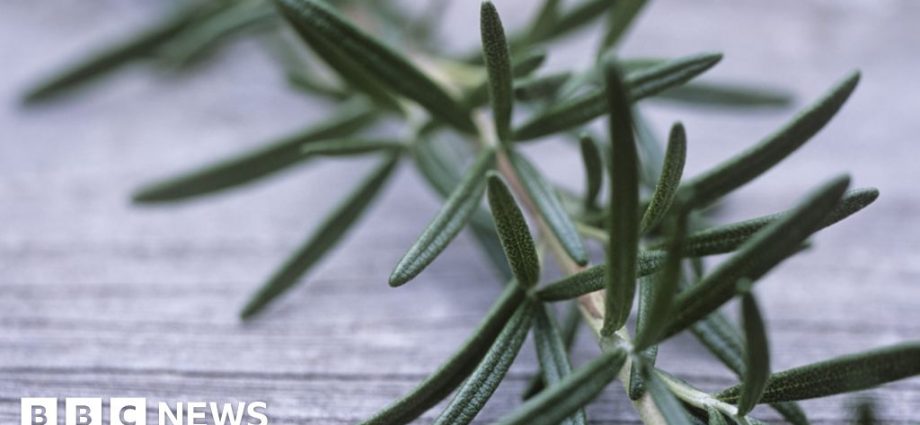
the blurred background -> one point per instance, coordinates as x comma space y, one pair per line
102, 298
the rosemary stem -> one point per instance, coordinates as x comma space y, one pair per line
591, 304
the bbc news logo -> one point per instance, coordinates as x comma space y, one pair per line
133, 411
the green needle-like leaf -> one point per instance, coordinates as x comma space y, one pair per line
349, 147
109, 58
623, 224
668, 182
540, 87
575, 18
753, 162
664, 290
843, 374
550, 207
442, 171
443, 381
553, 405
650, 355
478, 388
571, 322
622, 15
317, 19
643, 83
757, 256
727, 96
196, 42
528, 62
594, 278
521, 67
498, 65
553, 356
594, 169
715, 417
728, 237
326, 237
457, 210
257, 163
724, 340
756, 355
513, 233
669, 406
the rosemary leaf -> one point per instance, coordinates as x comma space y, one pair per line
569, 332
594, 278
498, 66
442, 172
649, 355
316, 18
111, 57
327, 235
584, 108
724, 340
257, 163
478, 388
527, 63
843, 374
349, 147
444, 380
573, 19
352, 74
864, 412
553, 356
669, 406
663, 290
551, 210
574, 392
457, 210
545, 18
594, 170
623, 224
756, 355
521, 67
666, 189
621, 17
753, 162
513, 233
727, 96
757, 256
542, 87
194, 43
715, 417
727, 238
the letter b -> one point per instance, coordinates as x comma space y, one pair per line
83, 411
38, 411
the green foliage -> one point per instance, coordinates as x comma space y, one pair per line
513, 233
756, 354
457, 210
443, 381
433, 98
477, 389
498, 65
328, 234
848, 373
623, 225
550, 207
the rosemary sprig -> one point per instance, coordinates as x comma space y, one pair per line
656, 244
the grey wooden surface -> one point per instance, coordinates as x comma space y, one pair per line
98, 298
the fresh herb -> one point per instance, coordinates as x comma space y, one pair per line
654, 244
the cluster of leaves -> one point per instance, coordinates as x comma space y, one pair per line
650, 222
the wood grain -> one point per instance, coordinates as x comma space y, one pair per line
99, 298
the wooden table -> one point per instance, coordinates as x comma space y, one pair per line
99, 298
